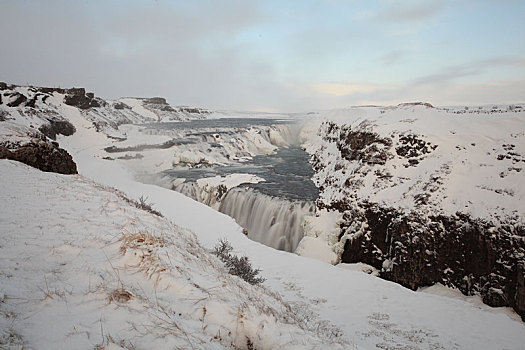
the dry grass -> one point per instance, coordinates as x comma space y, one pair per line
120, 295
144, 246
139, 240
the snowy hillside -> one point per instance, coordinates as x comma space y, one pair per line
427, 195
82, 267
40, 107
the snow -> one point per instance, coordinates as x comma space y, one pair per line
63, 269
360, 267
473, 179
230, 181
81, 268
138, 107
321, 234
369, 311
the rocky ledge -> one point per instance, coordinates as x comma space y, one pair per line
40, 154
410, 238
474, 255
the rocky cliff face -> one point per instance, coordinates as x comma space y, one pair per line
40, 154
415, 250
394, 180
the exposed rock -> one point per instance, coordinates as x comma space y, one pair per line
57, 127
413, 146
50, 90
78, 97
155, 100
193, 110
415, 244
360, 145
20, 98
3, 86
42, 155
32, 102
4, 116
121, 105
409, 104
415, 250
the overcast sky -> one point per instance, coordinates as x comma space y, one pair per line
270, 55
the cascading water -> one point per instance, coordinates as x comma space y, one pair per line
272, 221
271, 211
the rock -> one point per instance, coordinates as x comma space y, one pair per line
520, 290
121, 105
57, 127
409, 104
41, 155
78, 97
473, 255
18, 100
4, 115
359, 145
49, 90
155, 100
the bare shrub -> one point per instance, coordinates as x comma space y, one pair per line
237, 266
143, 204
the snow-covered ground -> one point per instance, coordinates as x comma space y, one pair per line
75, 274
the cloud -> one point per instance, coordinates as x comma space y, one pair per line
453, 73
187, 53
393, 57
202, 53
342, 89
411, 11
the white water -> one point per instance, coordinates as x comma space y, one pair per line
275, 222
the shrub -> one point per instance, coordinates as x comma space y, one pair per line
237, 266
144, 205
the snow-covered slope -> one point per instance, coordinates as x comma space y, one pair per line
427, 195
84, 268
357, 310
39, 107
370, 312
412, 156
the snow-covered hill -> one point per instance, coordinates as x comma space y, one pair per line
427, 195
40, 106
82, 267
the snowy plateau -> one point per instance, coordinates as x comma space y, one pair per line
412, 236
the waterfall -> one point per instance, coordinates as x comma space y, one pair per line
275, 222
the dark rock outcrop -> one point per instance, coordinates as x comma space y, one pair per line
417, 244
121, 105
410, 104
155, 100
473, 255
359, 145
57, 127
20, 98
42, 155
78, 97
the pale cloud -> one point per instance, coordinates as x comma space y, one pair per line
411, 11
340, 89
207, 52
453, 73
393, 57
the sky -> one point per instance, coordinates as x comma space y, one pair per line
270, 55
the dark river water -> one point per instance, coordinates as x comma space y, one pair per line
287, 172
